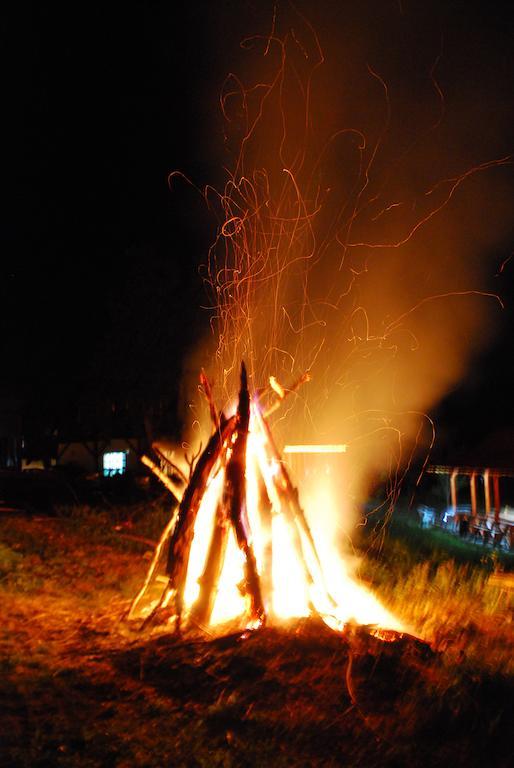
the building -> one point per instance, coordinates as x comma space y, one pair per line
107, 457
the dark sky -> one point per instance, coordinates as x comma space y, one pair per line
101, 101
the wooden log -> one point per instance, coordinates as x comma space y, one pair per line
292, 502
157, 471
266, 517
234, 498
153, 565
156, 448
180, 543
284, 392
202, 609
207, 390
296, 540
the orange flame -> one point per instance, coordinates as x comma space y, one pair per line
300, 568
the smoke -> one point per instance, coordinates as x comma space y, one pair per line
355, 232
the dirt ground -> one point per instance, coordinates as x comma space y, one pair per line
79, 688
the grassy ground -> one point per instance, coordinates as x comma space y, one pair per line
459, 596
78, 688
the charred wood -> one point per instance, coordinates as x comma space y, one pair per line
207, 391
180, 543
266, 516
289, 493
209, 580
235, 500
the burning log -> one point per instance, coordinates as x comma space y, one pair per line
207, 391
284, 392
202, 609
266, 515
287, 510
154, 564
289, 496
180, 543
165, 480
181, 532
175, 470
234, 497
231, 510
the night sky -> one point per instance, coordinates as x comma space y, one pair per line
99, 279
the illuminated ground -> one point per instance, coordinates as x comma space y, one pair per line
78, 690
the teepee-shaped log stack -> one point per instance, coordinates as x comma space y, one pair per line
161, 598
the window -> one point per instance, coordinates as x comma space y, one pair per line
115, 463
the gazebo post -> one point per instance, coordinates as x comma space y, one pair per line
473, 489
487, 493
453, 492
496, 489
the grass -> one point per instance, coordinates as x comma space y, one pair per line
441, 586
409, 544
78, 688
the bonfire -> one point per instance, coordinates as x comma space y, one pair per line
291, 286
240, 547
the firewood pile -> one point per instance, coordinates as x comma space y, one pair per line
161, 598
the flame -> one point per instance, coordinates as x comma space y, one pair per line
329, 590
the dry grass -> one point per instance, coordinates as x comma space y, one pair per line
458, 611
464, 609
79, 689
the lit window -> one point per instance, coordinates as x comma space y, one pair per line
115, 463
